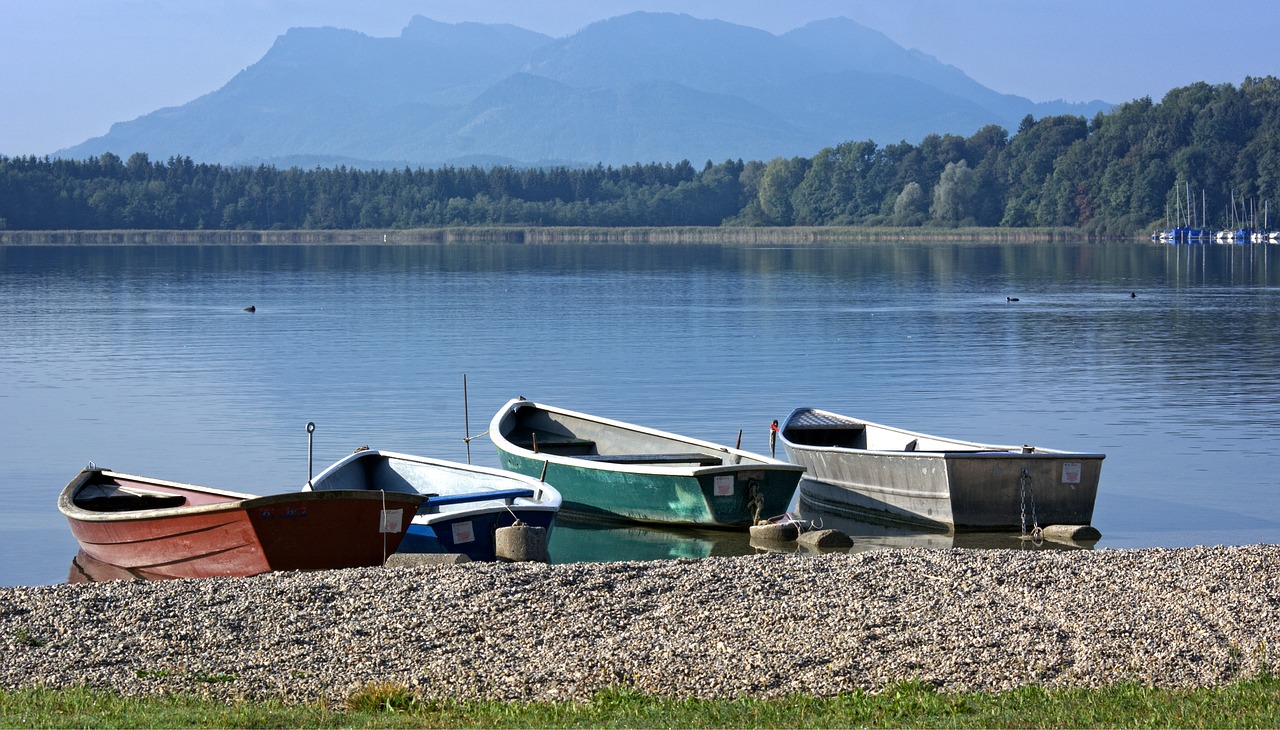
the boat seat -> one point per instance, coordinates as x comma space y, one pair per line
507, 495
555, 443
125, 502
689, 458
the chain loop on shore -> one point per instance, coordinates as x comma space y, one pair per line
755, 501
1026, 492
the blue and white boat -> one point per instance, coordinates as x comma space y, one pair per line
465, 504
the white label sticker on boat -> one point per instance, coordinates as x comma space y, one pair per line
392, 520
723, 486
463, 532
1071, 472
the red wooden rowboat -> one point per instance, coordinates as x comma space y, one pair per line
173, 530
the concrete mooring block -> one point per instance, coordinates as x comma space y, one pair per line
1071, 533
521, 543
775, 532
825, 539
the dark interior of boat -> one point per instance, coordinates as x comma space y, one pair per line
126, 502
848, 436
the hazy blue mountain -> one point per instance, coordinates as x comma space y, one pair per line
533, 118
709, 55
840, 43
637, 88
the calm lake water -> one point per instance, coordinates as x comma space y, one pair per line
142, 359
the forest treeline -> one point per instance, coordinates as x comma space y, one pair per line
1119, 173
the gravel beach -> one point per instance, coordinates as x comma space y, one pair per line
765, 625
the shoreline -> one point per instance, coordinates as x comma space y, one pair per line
544, 235
764, 626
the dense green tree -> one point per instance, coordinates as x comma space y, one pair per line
909, 207
1029, 163
779, 182
954, 196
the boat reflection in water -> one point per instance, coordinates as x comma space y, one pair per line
87, 569
869, 534
579, 539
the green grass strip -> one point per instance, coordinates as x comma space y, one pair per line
1252, 703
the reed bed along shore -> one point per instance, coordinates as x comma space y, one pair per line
765, 626
824, 235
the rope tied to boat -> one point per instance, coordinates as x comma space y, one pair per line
469, 439
1026, 492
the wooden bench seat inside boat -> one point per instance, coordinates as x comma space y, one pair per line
127, 502
507, 495
553, 443
689, 458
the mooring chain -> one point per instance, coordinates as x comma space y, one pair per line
383, 527
755, 501
1026, 492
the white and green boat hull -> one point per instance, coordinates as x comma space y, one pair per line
619, 471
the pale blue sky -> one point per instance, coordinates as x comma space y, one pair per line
70, 68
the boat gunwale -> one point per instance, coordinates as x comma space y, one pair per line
500, 439
985, 451
546, 497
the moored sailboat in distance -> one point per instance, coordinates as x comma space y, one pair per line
1244, 226
1187, 229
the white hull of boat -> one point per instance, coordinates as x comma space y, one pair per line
855, 465
465, 504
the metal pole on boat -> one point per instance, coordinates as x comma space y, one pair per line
311, 428
466, 418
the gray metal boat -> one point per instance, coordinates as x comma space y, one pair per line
859, 466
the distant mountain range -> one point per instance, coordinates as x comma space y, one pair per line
643, 87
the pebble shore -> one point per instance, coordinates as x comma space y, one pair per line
762, 626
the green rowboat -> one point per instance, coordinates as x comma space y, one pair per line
621, 471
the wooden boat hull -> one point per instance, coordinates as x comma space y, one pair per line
215, 533
465, 504
613, 470
855, 465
